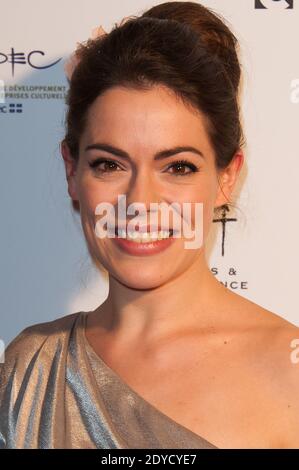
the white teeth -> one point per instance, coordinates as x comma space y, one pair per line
143, 237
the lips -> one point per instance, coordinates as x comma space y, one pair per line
133, 248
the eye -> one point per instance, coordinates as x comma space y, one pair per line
181, 164
108, 167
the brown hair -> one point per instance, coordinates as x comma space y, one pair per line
181, 45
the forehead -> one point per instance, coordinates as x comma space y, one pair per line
142, 119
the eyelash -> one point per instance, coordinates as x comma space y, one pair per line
193, 167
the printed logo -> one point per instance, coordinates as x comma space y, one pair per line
21, 58
11, 108
230, 277
280, 4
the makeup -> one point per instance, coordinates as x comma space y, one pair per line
144, 248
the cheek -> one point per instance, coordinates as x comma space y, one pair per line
92, 193
203, 195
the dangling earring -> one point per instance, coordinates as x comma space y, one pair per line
224, 209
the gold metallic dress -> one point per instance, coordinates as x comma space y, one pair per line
56, 392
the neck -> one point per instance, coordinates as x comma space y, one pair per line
190, 300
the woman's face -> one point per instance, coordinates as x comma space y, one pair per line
142, 123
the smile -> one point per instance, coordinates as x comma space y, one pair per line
144, 237
141, 244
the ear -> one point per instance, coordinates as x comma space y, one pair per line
228, 177
70, 170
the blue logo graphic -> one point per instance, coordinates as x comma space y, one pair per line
11, 108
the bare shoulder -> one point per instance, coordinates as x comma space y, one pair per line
273, 335
252, 314
272, 349
283, 374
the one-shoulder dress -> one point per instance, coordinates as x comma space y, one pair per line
56, 392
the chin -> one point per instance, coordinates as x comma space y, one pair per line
140, 283
141, 277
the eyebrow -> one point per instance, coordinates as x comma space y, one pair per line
158, 156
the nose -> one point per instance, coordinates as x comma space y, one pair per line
142, 190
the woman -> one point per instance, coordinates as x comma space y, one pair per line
172, 358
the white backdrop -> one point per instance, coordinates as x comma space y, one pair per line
46, 271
